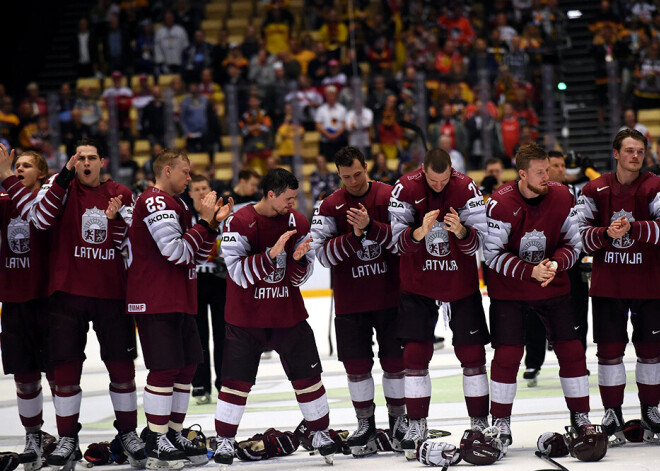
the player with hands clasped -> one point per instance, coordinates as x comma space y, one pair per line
619, 216
532, 240
268, 256
352, 236
162, 293
438, 222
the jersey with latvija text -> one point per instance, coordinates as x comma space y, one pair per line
165, 247
366, 274
86, 248
23, 250
262, 292
628, 267
441, 266
520, 235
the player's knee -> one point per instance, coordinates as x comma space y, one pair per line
417, 355
231, 385
302, 386
121, 372
472, 357
610, 353
508, 355
647, 352
186, 374
27, 381
358, 366
568, 350
162, 378
68, 373
392, 365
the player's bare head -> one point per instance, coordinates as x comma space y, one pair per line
557, 169
631, 133
345, 157
169, 158
527, 153
278, 181
90, 163
31, 169
352, 169
437, 160
199, 187
89, 142
248, 181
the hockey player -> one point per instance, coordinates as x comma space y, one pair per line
24, 296
267, 251
532, 241
351, 235
438, 222
619, 215
165, 246
87, 222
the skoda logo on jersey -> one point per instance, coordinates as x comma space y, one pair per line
532, 246
625, 241
94, 226
280, 270
18, 235
370, 251
437, 241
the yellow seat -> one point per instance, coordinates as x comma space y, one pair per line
227, 141
224, 174
241, 9
165, 80
217, 9
647, 117
107, 82
179, 143
92, 83
199, 159
311, 136
141, 146
308, 169
237, 27
211, 24
141, 159
223, 159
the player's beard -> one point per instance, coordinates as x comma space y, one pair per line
539, 190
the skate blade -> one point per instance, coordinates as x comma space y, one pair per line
532, 383
68, 466
224, 467
411, 455
155, 463
361, 451
650, 437
33, 465
137, 464
617, 439
199, 460
329, 459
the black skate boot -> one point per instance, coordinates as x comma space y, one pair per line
31, 458
161, 454
362, 442
325, 445
651, 424
224, 452
196, 452
417, 433
133, 447
503, 424
66, 454
578, 419
613, 425
399, 428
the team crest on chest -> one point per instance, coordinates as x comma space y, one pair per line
280, 270
18, 235
532, 246
437, 241
94, 226
370, 251
625, 241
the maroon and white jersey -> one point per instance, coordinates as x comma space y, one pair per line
164, 249
629, 267
86, 248
441, 266
366, 274
262, 292
23, 249
520, 235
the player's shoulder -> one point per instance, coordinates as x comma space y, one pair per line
336, 198
297, 219
599, 184
559, 190
243, 218
114, 188
381, 191
409, 185
650, 182
506, 192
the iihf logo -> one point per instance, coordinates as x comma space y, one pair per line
94, 226
437, 241
532, 246
625, 241
280, 270
370, 251
18, 235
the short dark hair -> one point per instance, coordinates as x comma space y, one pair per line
527, 153
345, 156
247, 173
88, 141
437, 160
555, 154
493, 161
624, 133
199, 178
278, 181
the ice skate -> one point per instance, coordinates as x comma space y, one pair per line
479, 423
503, 424
416, 434
161, 454
204, 399
66, 454
224, 452
578, 419
362, 442
613, 425
133, 447
531, 375
651, 424
31, 458
195, 452
399, 428
324, 445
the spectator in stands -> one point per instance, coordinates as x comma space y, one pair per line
448, 125
210, 89
359, 126
276, 93
481, 60
116, 44
524, 110
256, 127
288, 138
647, 91
251, 43
276, 31
318, 67
456, 25
120, 96
9, 122
240, 85
178, 94
494, 169
219, 54
333, 34
261, 71
37, 103
508, 132
390, 133
101, 136
378, 94
381, 172
302, 55
148, 167
446, 56
144, 54
651, 162
334, 76
457, 159
197, 57
630, 122
305, 102
187, 15
65, 103
381, 56
322, 181
331, 123
89, 108
34, 133
170, 42
194, 119
480, 127
517, 60
85, 50
127, 166
75, 130
236, 58
143, 95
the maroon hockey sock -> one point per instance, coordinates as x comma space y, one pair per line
611, 373
30, 399
181, 396
475, 380
647, 372
67, 396
158, 398
231, 404
123, 393
416, 358
573, 374
394, 384
360, 383
503, 372
313, 402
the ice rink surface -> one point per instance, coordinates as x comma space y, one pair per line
272, 404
